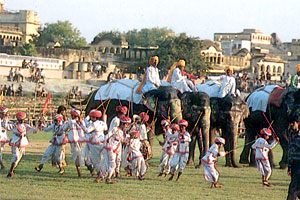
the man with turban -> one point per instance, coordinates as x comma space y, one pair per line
294, 85
228, 83
177, 78
151, 79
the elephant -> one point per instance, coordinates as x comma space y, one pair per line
278, 118
226, 114
196, 109
168, 104
214, 114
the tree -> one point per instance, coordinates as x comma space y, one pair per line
61, 31
28, 50
172, 49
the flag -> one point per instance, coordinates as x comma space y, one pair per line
48, 99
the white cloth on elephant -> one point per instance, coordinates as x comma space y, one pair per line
182, 153
123, 89
180, 82
259, 99
211, 174
211, 88
262, 148
152, 79
228, 85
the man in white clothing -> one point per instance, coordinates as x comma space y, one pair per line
152, 75
228, 83
179, 81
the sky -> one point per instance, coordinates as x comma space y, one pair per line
198, 18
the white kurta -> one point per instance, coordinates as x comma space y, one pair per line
4, 126
152, 79
228, 85
179, 81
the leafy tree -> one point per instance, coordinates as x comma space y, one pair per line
28, 50
61, 31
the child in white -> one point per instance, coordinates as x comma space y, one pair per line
211, 174
169, 147
115, 122
75, 137
19, 141
135, 156
55, 149
113, 147
96, 141
4, 125
182, 153
262, 149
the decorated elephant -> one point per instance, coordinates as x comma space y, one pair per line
196, 109
226, 114
209, 115
159, 104
276, 117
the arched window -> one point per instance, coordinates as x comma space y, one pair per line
274, 70
112, 50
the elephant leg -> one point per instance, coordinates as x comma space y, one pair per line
228, 156
192, 147
284, 146
249, 140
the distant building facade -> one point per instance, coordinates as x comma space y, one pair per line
17, 27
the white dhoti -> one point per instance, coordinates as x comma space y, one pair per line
109, 163
210, 173
55, 151
17, 154
179, 160
182, 86
125, 162
264, 168
77, 153
165, 163
96, 155
139, 166
1, 151
87, 154
118, 161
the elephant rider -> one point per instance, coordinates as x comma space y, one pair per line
228, 83
182, 153
4, 125
151, 78
115, 122
295, 85
19, 141
177, 78
262, 148
294, 158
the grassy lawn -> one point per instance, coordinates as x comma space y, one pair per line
240, 183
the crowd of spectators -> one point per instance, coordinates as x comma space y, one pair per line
37, 74
75, 92
40, 91
11, 90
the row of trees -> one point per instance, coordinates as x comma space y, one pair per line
171, 47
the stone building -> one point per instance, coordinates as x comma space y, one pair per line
213, 56
17, 27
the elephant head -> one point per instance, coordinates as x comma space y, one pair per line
196, 109
227, 113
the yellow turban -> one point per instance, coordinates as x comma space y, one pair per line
298, 67
181, 63
153, 59
229, 68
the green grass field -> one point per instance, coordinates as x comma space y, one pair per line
240, 183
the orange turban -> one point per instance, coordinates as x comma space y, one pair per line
153, 59
229, 68
181, 63
298, 67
